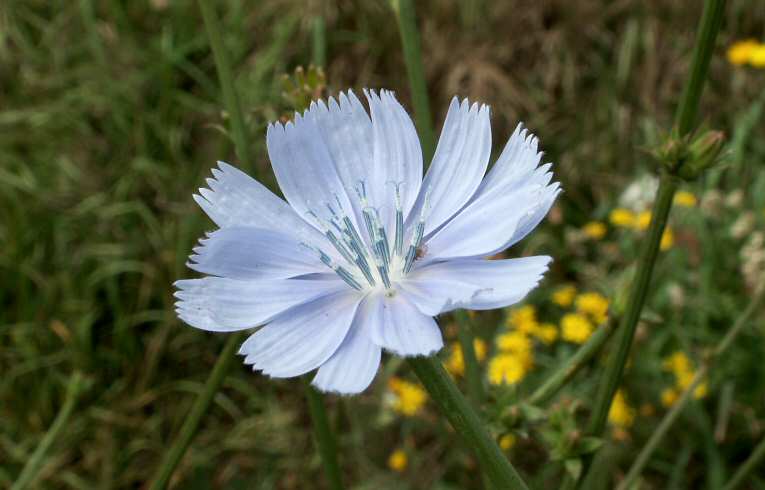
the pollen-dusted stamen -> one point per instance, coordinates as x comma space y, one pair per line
419, 231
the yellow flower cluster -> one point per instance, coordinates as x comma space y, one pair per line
595, 230
398, 461
576, 328
625, 218
591, 311
409, 398
455, 364
685, 199
507, 441
516, 347
593, 304
748, 52
621, 414
564, 296
682, 369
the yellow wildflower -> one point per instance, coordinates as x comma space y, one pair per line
507, 441
685, 199
397, 461
575, 328
740, 52
677, 362
514, 342
455, 364
409, 397
621, 414
564, 295
667, 239
593, 304
757, 56
595, 230
506, 369
668, 397
701, 390
521, 317
547, 333
622, 217
643, 220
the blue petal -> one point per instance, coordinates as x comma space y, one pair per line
475, 284
458, 165
514, 198
303, 338
236, 199
395, 324
254, 253
353, 366
225, 305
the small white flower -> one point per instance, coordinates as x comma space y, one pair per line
364, 252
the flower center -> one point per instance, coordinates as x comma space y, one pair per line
370, 260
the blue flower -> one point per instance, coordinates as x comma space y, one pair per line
364, 252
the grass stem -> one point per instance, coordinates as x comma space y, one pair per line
472, 369
190, 426
410, 41
323, 437
35, 462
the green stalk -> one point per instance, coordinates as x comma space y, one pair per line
201, 404
472, 370
626, 332
684, 124
751, 464
650, 446
35, 462
226, 77
466, 422
319, 41
410, 41
323, 437
572, 365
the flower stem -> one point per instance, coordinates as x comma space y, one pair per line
685, 120
323, 437
466, 422
33, 464
626, 332
572, 365
194, 418
472, 370
645, 453
410, 41
226, 78
751, 463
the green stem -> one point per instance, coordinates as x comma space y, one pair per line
410, 41
33, 464
319, 41
466, 422
323, 437
201, 404
626, 332
677, 408
226, 77
709, 26
572, 365
472, 370
751, 463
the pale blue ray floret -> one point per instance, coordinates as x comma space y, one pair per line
364, 251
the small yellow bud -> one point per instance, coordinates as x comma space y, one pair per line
397, 461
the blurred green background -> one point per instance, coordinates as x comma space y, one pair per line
111, 117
